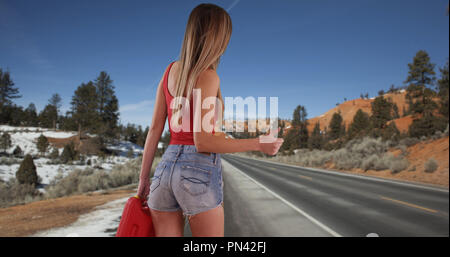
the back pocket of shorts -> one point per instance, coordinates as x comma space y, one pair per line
156, 179
195, 180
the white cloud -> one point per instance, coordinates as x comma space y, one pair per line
139, 113
136, 106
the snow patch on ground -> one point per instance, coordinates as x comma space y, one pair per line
102, 222
123, 147
26, 138
48, 172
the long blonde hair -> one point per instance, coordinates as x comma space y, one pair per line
208, 32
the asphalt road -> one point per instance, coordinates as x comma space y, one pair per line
349, 205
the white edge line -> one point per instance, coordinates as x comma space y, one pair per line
309, 217
354, 175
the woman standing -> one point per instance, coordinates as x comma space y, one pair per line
188, 179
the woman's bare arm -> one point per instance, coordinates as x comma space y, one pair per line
208, 82
155, 131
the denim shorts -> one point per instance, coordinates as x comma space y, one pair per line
186, 180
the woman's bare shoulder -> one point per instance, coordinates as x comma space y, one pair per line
208, 77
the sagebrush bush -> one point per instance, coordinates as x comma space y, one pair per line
369, 163
398, 164
364, 153
91, 179
96, 181
403, 148
367, 146
13, 193
9, 160
431, 165
409, 141
345, 160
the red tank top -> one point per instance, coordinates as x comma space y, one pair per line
181, 137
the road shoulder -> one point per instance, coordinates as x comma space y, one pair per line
251, 210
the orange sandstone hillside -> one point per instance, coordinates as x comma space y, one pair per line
349, 108
419, 154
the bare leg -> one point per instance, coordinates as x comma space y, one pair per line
168, 223
209, 223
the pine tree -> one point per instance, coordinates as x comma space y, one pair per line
131, 133
130, 153
54, 154
300, 123
359, 125
69, 153
291, 140
443, 89
297, 136
395, 113
142, 136
31, 117
5, 141
392, 89
7, 89
336, 126
26, 174
68, 122
42, 144
18, 116
405, 111
165, 140
48, 116
296, 119
391, 132
55, 101
9, 112
427, 126
85, 107
316, 141
108, 104
381, 112
282, 126
420, 79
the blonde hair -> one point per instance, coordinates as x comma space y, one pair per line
208, 32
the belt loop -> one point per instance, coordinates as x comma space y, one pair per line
215, 158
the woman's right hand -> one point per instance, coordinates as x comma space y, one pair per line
269, 144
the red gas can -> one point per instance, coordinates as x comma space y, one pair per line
136, 220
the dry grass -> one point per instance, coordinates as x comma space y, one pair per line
25, 220
405, 162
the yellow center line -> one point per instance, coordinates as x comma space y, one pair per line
305, 177
408, 204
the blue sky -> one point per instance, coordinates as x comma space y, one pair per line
309, 52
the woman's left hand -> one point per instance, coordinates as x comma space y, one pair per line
144, 188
